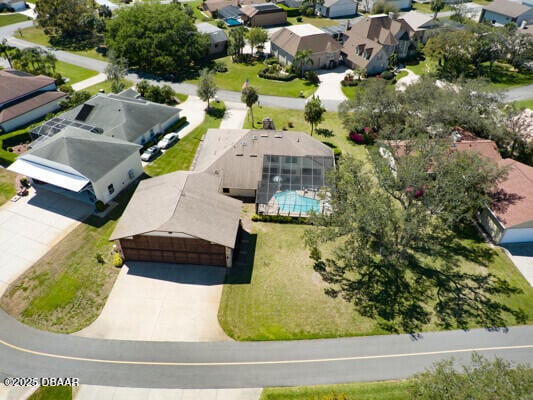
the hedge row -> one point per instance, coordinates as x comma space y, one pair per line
280, 219
291, 12
10, 140
275, 77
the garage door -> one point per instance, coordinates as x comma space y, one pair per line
173, 250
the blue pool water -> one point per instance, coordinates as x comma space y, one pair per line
292, 202
232, 22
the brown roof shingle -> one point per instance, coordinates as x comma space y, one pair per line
294, 39
30, 104
15, 84
508, 8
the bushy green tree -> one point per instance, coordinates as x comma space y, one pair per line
387, 223
481, 380
257, 36
314, 112
236, 42
207, 88
75, 99
158, 38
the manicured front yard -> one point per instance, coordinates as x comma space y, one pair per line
524, 104
237, 73
282, 117
73, 72
67, 288
388, 390
504, 76
36, 35
7, 185
423, 67
10, 19
285, 298
181, 155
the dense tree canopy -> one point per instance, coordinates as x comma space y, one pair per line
69, 19
396, 257
482, 380
158, 38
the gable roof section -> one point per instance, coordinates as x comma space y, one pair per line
182, 202
216, 35
379, 28
237, 154
122, 117
355, 46
508, 8
32, 103
91, 155
304, 37
251, 10
15, 84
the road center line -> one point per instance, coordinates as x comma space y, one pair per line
279, 362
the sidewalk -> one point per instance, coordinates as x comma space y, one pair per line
90, 82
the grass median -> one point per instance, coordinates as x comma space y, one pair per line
10, 19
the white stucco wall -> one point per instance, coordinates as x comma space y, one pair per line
30, 116
118, 177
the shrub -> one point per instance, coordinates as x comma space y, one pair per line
291, 125
10, 149
349, 83
220, 24
312, 77
324, 132
271, 61
291, 11
24, 181
100, 258
280, 219
118, 261
387, 75
220, 66
275, 76
100, 206
299, 19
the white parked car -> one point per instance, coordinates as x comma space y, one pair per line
168, 140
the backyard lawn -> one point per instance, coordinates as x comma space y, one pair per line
73, 72
319, 22
36, 35
285, 298
181, 155
524, 104
504, 76
67, 288
7, 185
423, 67
282, 117
237, 73
388, 390
426, 8
10, 19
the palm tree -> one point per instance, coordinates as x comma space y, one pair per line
301, 59
3, 49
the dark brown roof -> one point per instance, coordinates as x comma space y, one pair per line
30, 104
264, 8
15, 84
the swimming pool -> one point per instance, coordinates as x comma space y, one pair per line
290, 201
232, 22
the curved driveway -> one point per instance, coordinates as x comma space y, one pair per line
27, 352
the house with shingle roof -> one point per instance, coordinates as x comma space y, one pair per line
325, 51
25, 98
337, 8
180, 218
217, 38
264, 14
80, 164
418, 24
370, 42
501, 12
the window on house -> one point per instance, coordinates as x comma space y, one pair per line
225, 190
111, 189
131, 174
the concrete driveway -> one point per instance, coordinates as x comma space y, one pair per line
162, 302
329, 89
30, 227
521, 254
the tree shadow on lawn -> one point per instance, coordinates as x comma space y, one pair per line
243, 262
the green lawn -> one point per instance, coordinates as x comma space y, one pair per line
181, 155
237, 74
424, 67
10, 19
106, 85
524, 104
67, 288
504, 76
7, 185
52, 393
285, 298
36, 35
388, 390
73, 72
426, 8
282, 117
319, 22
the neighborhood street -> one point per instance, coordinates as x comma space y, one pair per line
27, 352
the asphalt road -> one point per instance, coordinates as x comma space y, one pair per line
27, 352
